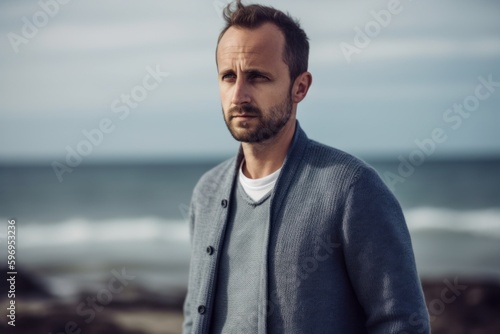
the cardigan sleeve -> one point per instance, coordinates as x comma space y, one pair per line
380, 260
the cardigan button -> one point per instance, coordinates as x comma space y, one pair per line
223, 203
210, 250
202, 309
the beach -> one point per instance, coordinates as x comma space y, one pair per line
455, 307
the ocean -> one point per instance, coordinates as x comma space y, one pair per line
132, 217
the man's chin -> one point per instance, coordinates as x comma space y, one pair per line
245, 136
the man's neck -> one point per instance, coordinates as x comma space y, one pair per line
262, 159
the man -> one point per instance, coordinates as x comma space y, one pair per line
291, 236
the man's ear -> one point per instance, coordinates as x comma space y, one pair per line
301, 87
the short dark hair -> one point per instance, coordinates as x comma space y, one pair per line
296, 53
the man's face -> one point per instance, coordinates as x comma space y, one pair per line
254, 82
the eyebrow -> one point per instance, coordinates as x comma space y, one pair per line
228, 71
249, 71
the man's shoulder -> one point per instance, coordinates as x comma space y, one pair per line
327, 159
334, 167
215, 177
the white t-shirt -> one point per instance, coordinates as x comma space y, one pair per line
258, 188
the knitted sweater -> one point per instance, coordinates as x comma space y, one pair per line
338, 255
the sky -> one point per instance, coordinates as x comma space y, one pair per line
389, 78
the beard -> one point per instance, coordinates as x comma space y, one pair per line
268, 124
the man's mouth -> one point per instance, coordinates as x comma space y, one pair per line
243, 116
245, 112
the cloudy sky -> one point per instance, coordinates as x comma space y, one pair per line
67, 66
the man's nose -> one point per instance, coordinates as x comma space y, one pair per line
241, 93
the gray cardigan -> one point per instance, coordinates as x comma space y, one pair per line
338, 258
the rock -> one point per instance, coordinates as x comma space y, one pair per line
475, 308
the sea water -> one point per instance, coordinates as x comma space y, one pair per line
134, 217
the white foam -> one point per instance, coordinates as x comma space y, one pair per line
79, 231
483, 223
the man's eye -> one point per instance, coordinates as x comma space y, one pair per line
228, 77
258, 77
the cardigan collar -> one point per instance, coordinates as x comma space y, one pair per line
288, 171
